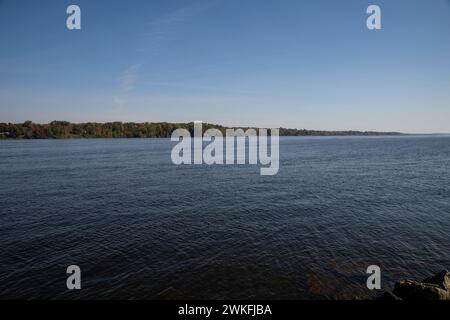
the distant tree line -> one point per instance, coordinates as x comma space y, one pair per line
67, 130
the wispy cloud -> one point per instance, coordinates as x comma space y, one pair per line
157, 32
127, 81
160, 29
128, 77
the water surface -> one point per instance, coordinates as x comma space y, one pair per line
142, 228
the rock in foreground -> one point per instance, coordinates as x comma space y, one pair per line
442, 279
413, 290
436, 287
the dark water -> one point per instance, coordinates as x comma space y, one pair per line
140, 227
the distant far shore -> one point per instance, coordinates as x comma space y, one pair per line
67, 130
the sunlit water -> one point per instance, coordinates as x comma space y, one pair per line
141, 227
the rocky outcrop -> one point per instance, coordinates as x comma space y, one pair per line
436, 287
442, 279
413, 290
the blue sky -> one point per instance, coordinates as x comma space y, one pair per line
301, 64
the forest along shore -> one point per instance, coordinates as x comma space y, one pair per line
67, 130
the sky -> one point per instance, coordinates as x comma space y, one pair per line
289, 63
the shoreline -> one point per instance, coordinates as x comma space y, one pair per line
114, 130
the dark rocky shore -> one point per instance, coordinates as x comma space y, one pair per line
436, 287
